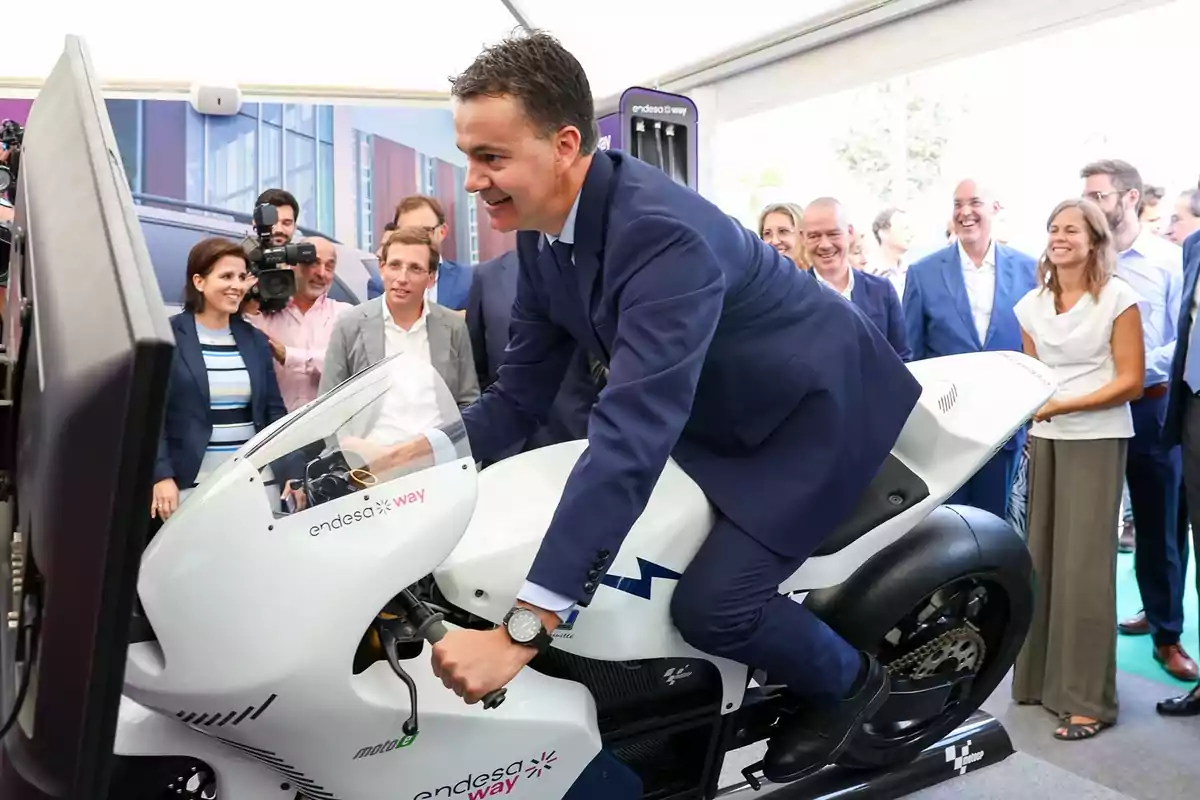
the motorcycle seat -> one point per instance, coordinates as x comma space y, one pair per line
894, 490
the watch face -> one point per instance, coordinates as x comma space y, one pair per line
524, 625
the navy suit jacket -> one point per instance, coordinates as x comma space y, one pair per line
876, 297
453, 285
489, 319
1173, 425
937, 311
187, 426
762, 385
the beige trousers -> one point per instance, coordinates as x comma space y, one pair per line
1069, 661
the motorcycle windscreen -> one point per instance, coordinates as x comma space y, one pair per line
393, 419
94, 349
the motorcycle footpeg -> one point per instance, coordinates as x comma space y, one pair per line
752, 775
494, 698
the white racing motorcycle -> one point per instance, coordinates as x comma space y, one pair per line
286, 655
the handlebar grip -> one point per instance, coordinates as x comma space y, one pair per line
433, 631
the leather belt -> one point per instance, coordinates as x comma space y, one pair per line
1156, 391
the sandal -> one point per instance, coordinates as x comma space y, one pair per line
1077, 731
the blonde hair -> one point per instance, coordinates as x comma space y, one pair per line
796, 214
1102, 259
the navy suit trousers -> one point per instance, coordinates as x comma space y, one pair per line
728, 604
991, 486
1154, 472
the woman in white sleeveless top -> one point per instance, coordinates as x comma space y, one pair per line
1083, 322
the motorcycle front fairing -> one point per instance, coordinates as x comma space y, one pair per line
258, 613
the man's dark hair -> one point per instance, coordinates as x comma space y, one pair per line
415, 201
883, 222
1124, 175
279, 198
538, 71
201, 259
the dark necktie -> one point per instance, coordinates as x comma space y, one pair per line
562, 253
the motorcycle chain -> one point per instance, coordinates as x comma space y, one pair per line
898, 666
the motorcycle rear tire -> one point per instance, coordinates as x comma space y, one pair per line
866, 752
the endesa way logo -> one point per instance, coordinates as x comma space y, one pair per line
501, 781
380, 509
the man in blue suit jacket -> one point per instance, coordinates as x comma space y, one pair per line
453, 280
827, 237
721, 354
1182, 427
489, 320
960, 300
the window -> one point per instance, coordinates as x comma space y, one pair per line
473, 216
430, 176
231, 174
363, 168
325, 188
125, 116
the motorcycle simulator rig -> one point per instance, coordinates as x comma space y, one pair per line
303, 676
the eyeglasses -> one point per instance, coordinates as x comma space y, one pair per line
414, 270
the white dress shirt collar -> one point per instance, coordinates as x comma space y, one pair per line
849, 283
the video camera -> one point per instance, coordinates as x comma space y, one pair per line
276, 284
12, 135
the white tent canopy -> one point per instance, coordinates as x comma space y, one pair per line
382, 47
735, 58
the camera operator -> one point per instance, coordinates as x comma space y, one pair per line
287, 210
11, 137
299, 333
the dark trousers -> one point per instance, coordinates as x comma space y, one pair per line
1191, 480
991, 486
1154, 474
728, 604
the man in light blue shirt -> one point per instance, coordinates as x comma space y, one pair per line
1154, 268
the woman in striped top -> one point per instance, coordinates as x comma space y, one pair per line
223, 388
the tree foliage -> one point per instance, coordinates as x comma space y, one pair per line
895, 138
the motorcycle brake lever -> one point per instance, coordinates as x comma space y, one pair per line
429, 625
389, 640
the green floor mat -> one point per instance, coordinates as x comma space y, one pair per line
1135, 653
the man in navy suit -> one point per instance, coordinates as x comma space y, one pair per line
453, 280
827, 237
960, 300
721, 354
1182, 427
489, 320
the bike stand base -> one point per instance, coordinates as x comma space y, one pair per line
979, 742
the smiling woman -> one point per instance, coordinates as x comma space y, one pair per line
223, 388
1083, 322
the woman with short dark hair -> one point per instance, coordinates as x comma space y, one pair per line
223, 388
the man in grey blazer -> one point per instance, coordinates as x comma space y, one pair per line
403, 321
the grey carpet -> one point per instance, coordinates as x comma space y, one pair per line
1144, 757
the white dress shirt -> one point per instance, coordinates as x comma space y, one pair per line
849, 290
411, 408
981, 287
